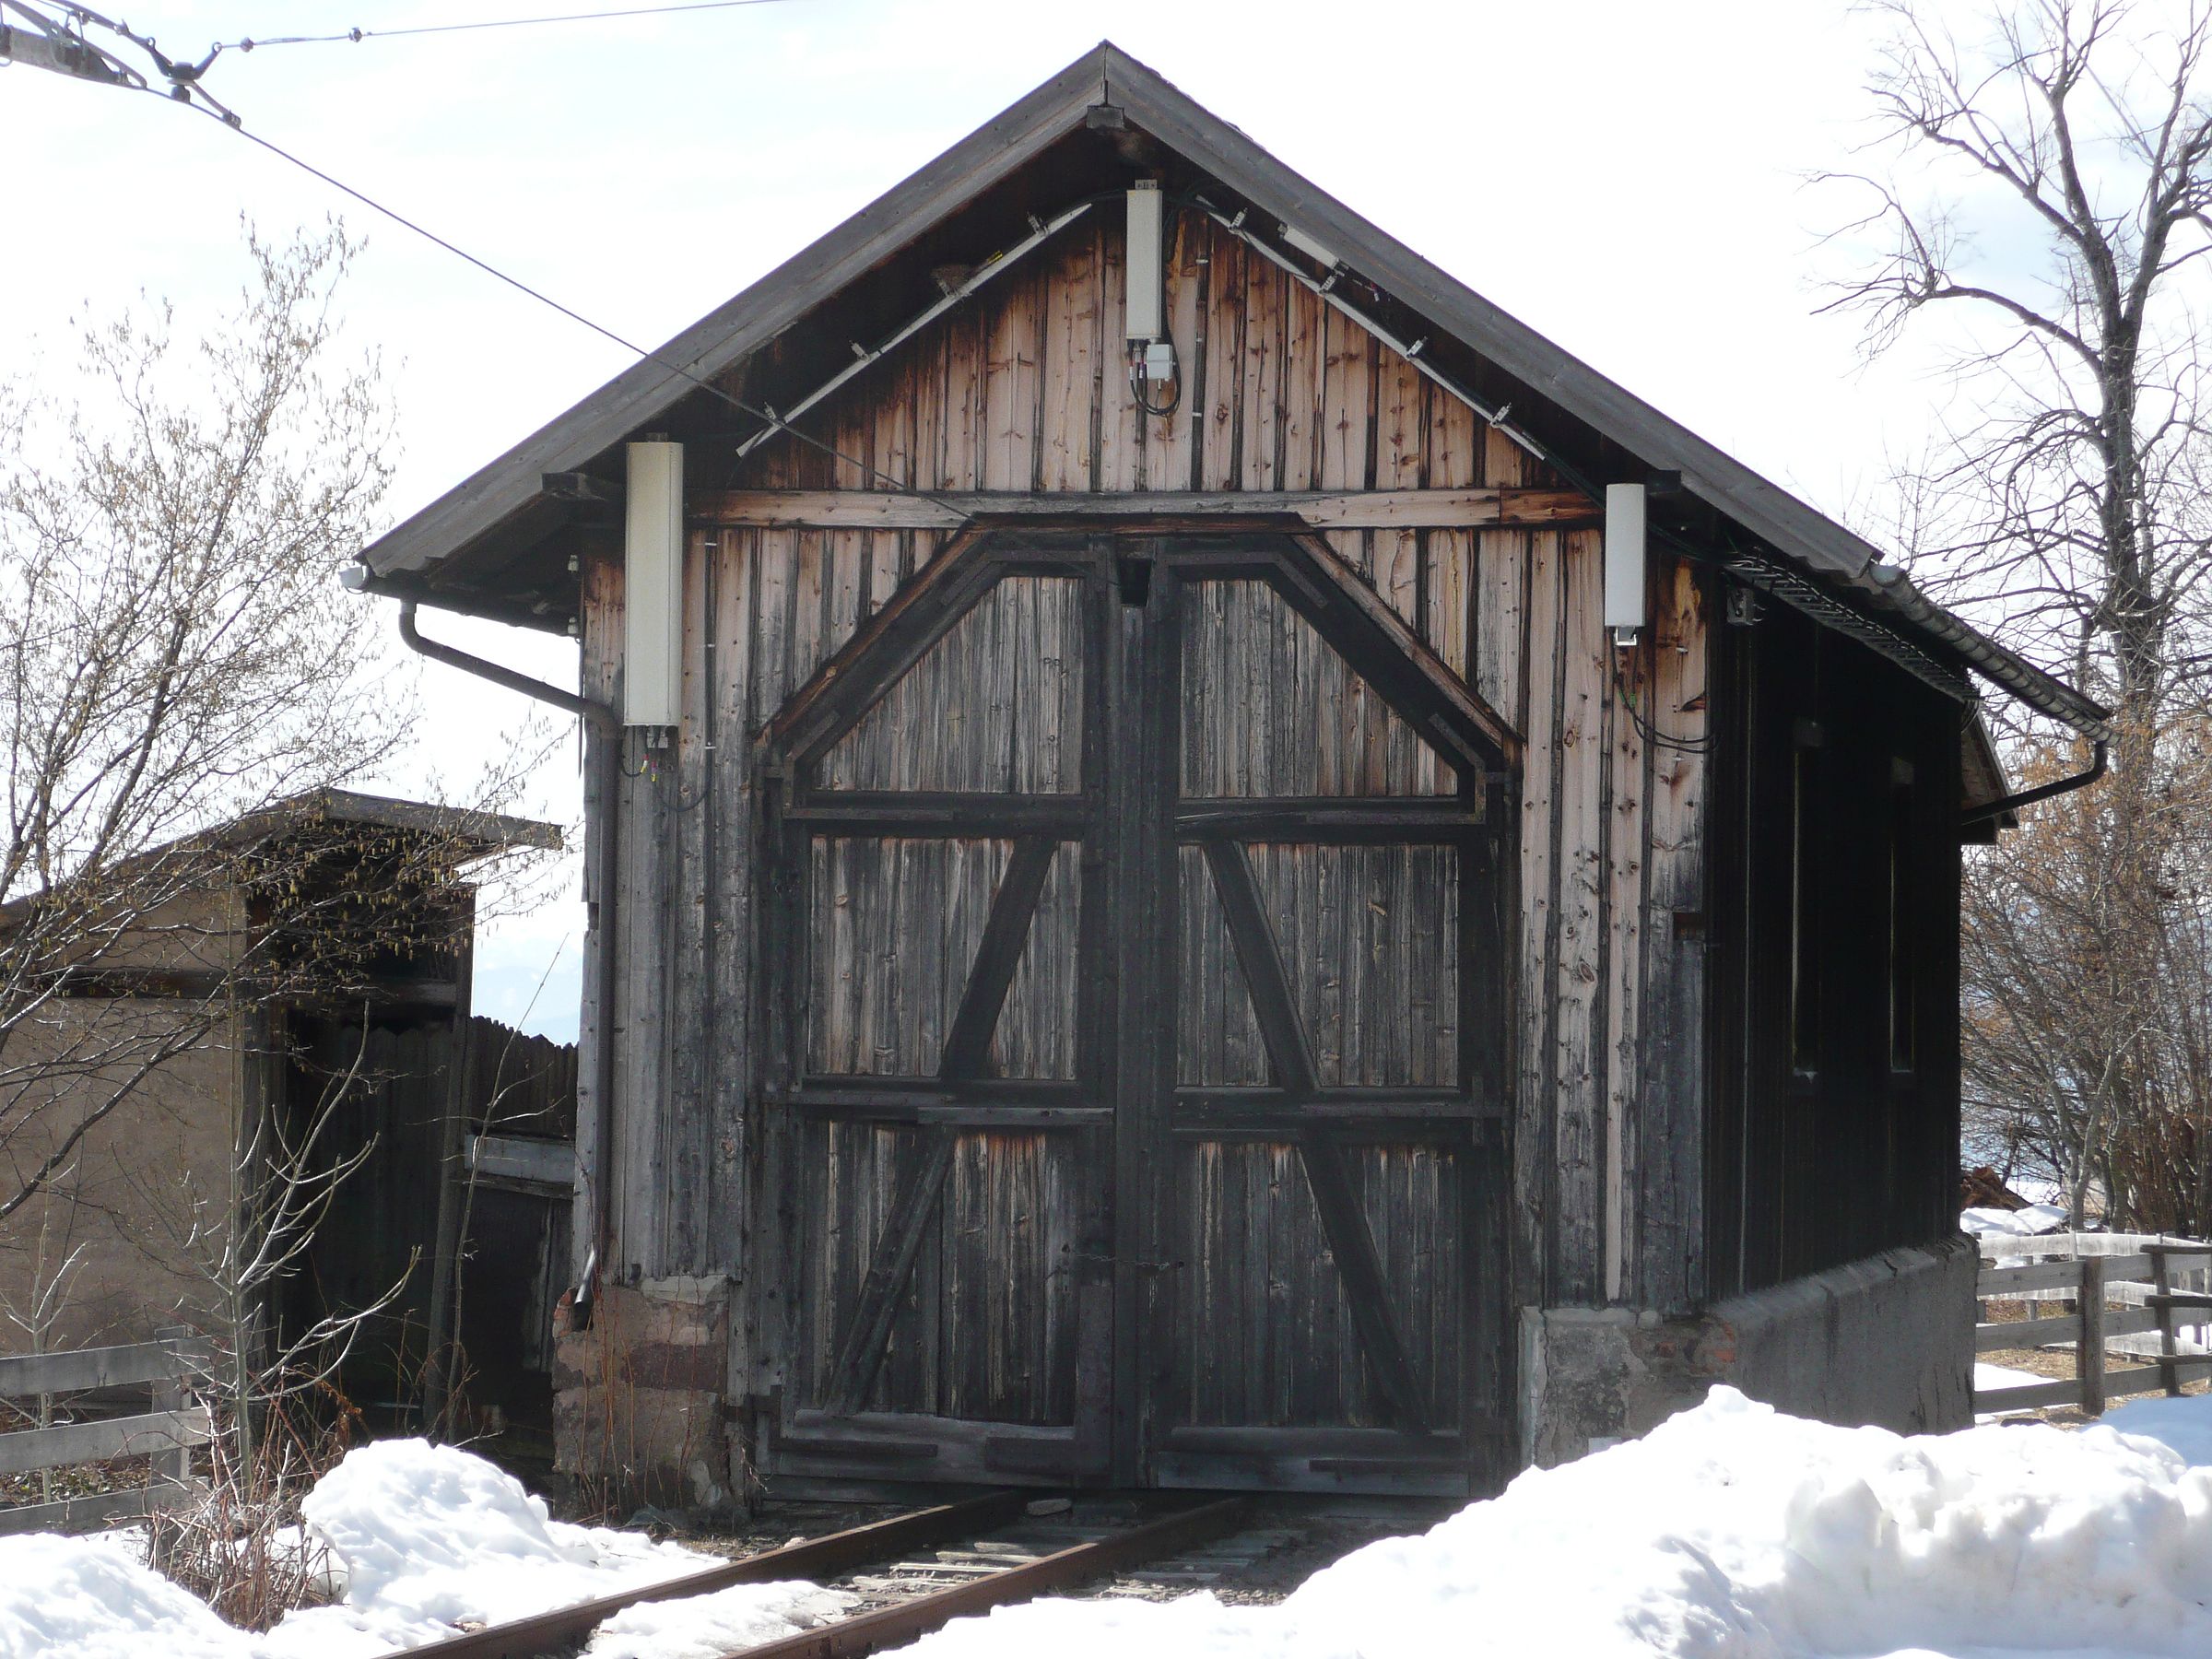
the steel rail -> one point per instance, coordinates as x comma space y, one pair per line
904, 1621
808, 1558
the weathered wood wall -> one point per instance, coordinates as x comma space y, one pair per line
1024, 390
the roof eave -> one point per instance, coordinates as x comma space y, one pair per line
726, 334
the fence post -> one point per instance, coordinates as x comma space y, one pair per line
2170, 1373
2088, 1352
170, 1395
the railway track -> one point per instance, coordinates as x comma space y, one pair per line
917, 1572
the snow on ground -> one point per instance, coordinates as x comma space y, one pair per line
429, 1536
2036, 1218
707, 1626
1730, 1532
1733, 1532
2184, 1425
2001, 1376
91, 1599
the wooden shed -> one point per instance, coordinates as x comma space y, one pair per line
1159, 918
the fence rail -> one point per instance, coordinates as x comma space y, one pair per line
2098, 1270
168, 1432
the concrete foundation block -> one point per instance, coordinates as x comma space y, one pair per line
1885, 1340
638, 1397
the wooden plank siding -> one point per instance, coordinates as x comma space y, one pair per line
1024, 390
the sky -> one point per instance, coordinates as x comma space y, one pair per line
1628, 178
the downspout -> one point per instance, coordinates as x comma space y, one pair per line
2042, 791
607, 758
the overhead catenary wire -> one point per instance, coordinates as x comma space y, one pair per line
185, 87
358, 35
772, 421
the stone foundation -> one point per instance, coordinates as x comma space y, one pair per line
1888, 1340
638, 1397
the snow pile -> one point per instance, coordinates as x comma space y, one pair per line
1733, 1532
428, 1536
2031, 1222
91, 1598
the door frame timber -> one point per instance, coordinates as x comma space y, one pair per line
1126, 820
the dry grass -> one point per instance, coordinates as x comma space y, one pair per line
240, 1546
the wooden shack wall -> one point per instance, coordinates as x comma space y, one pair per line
1023, 389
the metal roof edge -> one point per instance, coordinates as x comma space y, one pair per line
2035, 687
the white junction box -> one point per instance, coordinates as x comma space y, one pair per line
1625, 509
653, 587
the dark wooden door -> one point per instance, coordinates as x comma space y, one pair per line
1137, 921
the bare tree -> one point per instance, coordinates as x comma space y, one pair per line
174, 654
2042, 184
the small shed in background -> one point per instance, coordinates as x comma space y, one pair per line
308, 964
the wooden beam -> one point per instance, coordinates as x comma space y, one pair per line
1005, 932
860, 1355
155, 1431
96, 1510
74, 1371
1363, 509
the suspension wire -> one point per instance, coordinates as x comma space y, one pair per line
768, 416
184, 88
358, 35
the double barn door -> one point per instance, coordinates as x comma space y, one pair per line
1136, 1097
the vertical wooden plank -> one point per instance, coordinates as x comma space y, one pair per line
1670, 1156
926, 395
1122, 434
1500, 601
1505, 464
1401, 395
1260, 370
1451, 461
1066, 458
600, 627
683, 1125
1625, 693
1532, 1141
728, 876
847, 555
1579, 1065
1347, 438
1171, 457
1221, 438
967, 354
1013, 382
1303, 416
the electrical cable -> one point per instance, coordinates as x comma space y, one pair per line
185, 89
358, 35
1646, 729
768, 416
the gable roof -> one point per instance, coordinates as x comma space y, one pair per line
506, 501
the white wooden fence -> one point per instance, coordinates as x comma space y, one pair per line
168, 1432
2156, 1281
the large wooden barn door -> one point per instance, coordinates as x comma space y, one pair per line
1137, 918
1320, 1128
